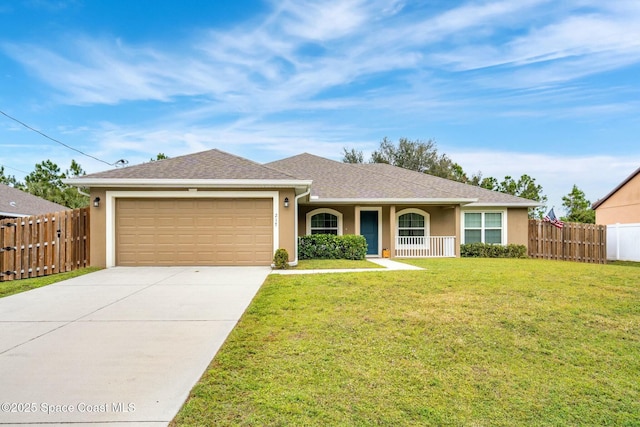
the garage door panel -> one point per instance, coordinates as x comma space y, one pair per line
194, 231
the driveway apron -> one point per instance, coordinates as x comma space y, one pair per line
122, 345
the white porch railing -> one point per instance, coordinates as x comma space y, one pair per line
425, 247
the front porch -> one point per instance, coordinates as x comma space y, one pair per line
405, 231
425, 246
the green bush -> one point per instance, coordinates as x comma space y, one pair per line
281, 259
329, 246
485, 250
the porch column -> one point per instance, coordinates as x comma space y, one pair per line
392, 231
356, 220
458, 223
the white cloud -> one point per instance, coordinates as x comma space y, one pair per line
270, 66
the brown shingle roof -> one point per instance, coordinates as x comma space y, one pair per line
212, 164
337, 180
14, 202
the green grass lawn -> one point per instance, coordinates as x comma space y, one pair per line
467, 342
17, 286
323, 264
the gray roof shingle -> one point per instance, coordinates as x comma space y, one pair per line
337, 180
14, 202
211, 164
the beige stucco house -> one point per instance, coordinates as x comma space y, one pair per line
215, 208
622, 204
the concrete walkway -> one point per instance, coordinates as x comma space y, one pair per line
122, 346
385, 263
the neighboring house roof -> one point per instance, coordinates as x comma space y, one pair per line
615, 190
17, 203
207, 168
342, 182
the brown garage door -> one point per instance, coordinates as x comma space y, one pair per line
194, 232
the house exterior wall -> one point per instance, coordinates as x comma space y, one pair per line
98, 218
347, 211
287, 220
623, 206
98, 227
518, 226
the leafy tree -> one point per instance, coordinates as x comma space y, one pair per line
9, 180
160, 156
352, 156
46, 182
71, 196
578, 207
420, 156
525, 187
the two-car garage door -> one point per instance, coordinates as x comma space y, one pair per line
197, 231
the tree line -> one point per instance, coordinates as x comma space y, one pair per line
423, 156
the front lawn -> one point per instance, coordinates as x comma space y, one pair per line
480, 342
324, 264
16, 286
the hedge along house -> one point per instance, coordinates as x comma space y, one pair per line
214, 208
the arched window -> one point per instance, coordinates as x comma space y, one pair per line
324, 221
412, 223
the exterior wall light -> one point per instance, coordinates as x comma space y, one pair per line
286, 202
96, 202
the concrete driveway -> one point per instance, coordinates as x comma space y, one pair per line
123, 345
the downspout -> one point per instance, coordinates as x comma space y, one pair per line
295, 206
82, 192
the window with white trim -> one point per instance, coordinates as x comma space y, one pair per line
411, 224
483, 227
324, 221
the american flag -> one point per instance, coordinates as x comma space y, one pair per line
551, 217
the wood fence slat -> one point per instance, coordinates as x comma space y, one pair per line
44, 244
574, 242
18, 258
68, 240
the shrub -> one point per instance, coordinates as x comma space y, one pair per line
281, 259
329, 246
485, 250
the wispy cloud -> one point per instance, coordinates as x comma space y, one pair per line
304, 52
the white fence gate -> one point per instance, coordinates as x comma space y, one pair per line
623, 242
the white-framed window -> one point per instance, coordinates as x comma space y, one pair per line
412, 223
484, 227
324, 221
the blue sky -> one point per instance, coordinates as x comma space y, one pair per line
539, 87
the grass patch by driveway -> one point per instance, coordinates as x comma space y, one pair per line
325, 264
17, 286
480, 342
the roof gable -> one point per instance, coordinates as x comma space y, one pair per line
14, 202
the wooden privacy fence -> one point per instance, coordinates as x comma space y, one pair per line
574, 242
44, 244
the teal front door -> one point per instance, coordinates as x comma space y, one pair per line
369, 229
